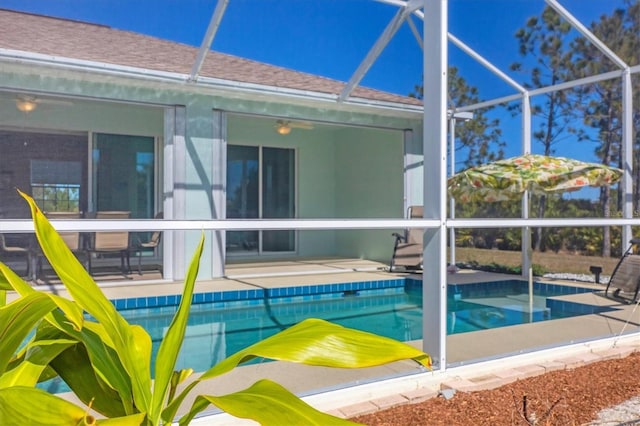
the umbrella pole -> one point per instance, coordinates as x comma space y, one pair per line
530, 294
527, 258
529, 269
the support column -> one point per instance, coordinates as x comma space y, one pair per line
526, 149
219, 190
434, 278
173, 193
626, 187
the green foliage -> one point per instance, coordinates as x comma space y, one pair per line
538, 270
553, 53
587, 241
481, 137
106, 362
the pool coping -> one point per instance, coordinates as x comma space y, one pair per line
307, 290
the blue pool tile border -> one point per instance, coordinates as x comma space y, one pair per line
575, 308
316, 291
254, 296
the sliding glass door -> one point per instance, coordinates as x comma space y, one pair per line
123, 174
260, 184
243, 188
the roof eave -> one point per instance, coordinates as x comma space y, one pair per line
181, 81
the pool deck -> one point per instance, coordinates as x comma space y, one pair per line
478, 360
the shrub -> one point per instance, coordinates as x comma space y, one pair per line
106, 362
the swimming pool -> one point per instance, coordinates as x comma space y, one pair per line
230, 321
394, 309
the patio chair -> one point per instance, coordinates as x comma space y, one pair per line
105, 242
407, 250
624, 283
151, 244
16, 251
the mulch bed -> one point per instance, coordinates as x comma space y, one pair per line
566, 397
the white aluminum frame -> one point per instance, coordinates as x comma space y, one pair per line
434, 115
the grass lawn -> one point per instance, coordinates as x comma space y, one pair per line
552, 262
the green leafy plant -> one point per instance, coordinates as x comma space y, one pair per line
107, 362
538, 270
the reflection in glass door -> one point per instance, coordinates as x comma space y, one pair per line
123, 174
260, 184
278, 196
123, 179
242, 195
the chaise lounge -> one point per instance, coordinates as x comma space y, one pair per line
407, 250
624, 283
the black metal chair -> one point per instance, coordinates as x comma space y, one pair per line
139, 246
17, 251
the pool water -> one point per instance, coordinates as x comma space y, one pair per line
213, 333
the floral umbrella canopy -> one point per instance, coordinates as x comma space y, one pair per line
508, 179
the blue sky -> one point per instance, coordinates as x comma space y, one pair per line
331, 37
325, 37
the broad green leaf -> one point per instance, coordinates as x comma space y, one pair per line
315, 342
11, 279
17, 319
102, 362
22, 405
318, 342
88, 295
73, 366
268, 403
131, 420
142, 340
72, 311
4, 287
172, 341
38, 356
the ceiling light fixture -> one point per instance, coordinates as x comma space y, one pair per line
283, 128
26, 104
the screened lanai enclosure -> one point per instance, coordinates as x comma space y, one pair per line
152, 142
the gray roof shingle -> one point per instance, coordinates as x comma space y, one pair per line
99, 43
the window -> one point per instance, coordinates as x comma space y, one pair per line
55, 185
260, 184
57, 197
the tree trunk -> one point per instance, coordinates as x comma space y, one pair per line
542, 205
606, 232
605, 194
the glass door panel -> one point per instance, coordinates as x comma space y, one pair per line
123, 171
278, 196
123, 174
260, 184
242, 196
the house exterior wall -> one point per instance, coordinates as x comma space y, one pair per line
352, 171
343, 172
370, 171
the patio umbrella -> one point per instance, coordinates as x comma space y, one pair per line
538, 174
